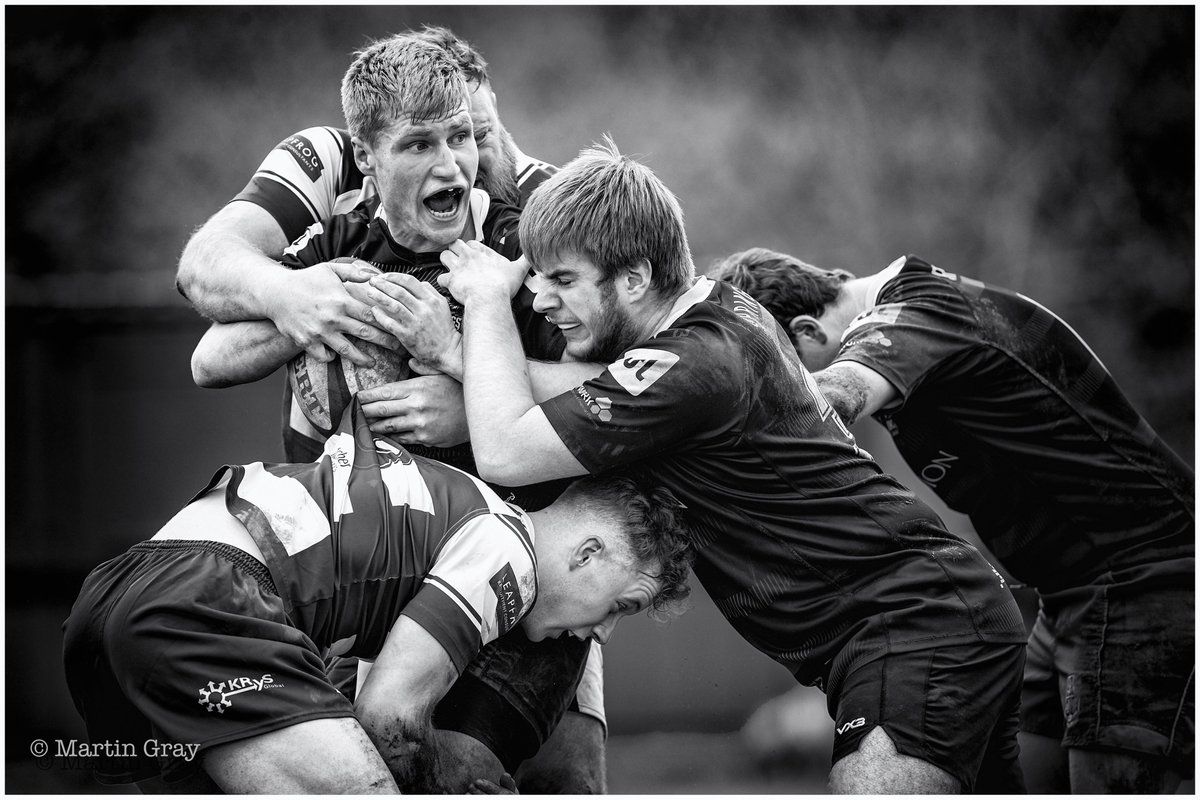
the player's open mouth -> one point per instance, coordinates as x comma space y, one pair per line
444, 204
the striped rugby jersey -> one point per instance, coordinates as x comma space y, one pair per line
1008, 415
804, 544
363, 233
311, 175
370, 532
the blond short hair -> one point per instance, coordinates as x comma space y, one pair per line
396, 78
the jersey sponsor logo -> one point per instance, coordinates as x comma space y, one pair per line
640, 368
746, 307
938, 468
885, 314
851, 725
508, 598
215, 697
601, 407
305, 154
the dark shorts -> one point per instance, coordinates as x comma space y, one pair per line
955, 707
1112, 664
511, 696
180, 642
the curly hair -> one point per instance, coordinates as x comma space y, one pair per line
659, 542
783, 284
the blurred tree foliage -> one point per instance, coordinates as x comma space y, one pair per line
1050, 150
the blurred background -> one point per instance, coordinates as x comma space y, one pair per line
1049, 150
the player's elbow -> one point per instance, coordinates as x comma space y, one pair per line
501, 468
207, 372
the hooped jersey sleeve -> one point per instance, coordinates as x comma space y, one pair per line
921, 323
672, 392
309, 176
481, 585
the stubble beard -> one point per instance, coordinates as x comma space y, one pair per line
614, 329
501, 182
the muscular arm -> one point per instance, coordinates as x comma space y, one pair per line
239, 352
230, 265
229, 272
854, 390
394, 704
514, 443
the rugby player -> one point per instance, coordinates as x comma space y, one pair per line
408, 109
817, 558
212, 633
1008, 415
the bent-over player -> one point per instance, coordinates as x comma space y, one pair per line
213, 632
815, 556
1008, 415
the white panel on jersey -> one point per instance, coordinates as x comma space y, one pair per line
641, 367
590, 694
405, 485
316, 229
479, 549
340, 449
296, 519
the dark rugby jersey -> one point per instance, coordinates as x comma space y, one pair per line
804, 544
370, 532
311, 175
1011, 418
362, 233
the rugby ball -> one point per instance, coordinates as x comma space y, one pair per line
323, 389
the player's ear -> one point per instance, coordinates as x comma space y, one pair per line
586, 551
805, 326
364, 156
636, 278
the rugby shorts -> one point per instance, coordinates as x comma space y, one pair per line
187, 642
1112, 665
956, 707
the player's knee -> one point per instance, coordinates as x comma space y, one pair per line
876, 767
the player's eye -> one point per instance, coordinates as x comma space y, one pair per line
459, 138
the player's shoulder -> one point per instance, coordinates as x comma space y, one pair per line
532, 173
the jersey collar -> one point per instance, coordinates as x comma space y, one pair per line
876, 282
700, 290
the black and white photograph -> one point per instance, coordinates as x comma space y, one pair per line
593, 399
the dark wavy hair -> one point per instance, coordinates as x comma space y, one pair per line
783, 284
658, 539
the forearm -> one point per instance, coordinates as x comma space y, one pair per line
496, 386
240, 352
228, 277
409, 748
846, 391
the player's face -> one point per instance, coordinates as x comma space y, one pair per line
574, 295
497, 158
424, 171
590, 600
